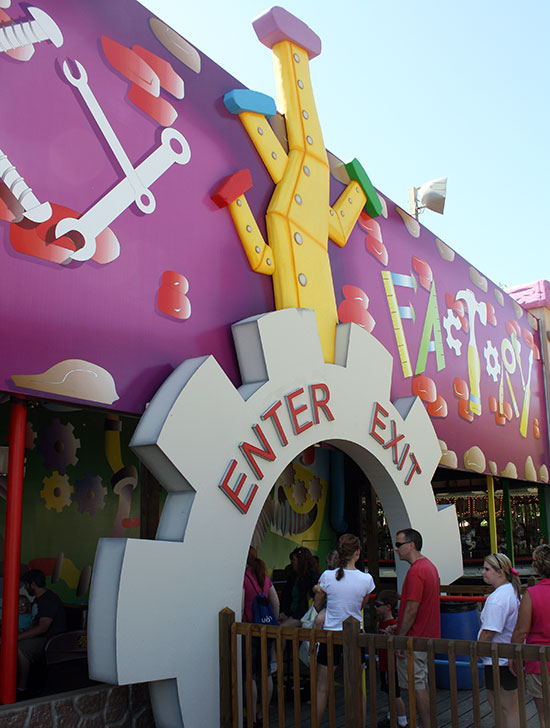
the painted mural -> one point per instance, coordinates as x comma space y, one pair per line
296, 513
81, 483
119, 263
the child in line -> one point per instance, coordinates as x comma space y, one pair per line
25, 616
385, 604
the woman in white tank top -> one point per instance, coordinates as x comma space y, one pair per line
346, 591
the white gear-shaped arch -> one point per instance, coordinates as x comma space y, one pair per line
189, 433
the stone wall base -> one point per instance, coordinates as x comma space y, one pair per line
100, 706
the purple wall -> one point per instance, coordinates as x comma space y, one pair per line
108, 314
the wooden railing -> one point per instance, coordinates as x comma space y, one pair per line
289, 681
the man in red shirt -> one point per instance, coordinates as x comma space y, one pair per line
418, 614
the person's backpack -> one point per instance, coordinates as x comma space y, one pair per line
262, 611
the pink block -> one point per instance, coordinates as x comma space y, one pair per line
531, 295
278, 24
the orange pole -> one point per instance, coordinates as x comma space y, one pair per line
12, 552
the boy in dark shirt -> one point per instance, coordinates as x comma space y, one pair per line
385, 603
49, 621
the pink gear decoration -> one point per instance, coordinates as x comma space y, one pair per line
90, 494
58, 446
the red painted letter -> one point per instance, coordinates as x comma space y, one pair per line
233, 493
375, 421
393, 441
249, 450
415, 468
298, 429
321, 403
401, 462
271, 414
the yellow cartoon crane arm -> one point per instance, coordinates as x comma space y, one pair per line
299, 218
230, 194
358, 195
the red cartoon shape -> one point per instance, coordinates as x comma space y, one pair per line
530, 341
39, 240
460, 388
130, 523
507, 410
354, 308
424, 272
528, 337
5, 211
424, 387
171, 298
169, 80
536, 428
464, 410
131, 65
232, 187
354, 293
513, 327
491, 316
462, 391
148, 73
459, 309
500, 417
438, 408
454, 305
158, 109
373, 241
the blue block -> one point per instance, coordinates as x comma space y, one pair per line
243, 99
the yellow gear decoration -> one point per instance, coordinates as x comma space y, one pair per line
57, 491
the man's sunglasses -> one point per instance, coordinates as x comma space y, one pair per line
398, 544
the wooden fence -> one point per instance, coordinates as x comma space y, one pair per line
292, 675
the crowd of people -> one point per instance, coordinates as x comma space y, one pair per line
343, 590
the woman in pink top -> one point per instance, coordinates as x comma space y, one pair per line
533, 626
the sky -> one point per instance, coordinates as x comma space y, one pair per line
417, 91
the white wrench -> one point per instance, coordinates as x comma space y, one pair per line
142, 196
120, 197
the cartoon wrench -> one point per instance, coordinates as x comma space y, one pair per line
143, 197
111, 205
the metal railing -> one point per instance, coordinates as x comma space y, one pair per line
292, 675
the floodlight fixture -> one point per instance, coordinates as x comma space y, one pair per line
429, 196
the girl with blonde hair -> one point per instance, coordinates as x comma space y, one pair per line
498, 619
